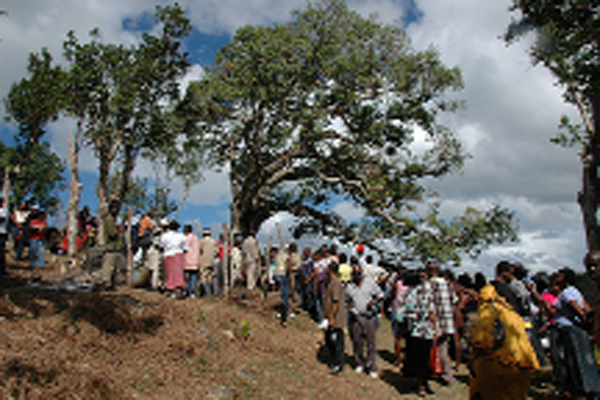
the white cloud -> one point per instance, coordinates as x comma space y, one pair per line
348, 211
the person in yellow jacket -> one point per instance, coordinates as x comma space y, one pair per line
501, 368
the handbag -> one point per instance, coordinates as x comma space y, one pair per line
498, 331
406, 325
435, 363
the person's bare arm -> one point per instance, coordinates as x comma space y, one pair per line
578, 309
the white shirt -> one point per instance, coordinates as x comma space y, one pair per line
173, 243
3, 220
374, 272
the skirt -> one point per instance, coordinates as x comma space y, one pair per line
416, 364
495, 381
174, 272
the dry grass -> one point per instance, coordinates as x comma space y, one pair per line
138, 344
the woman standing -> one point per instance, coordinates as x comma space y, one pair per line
418, 307
191, 259
174, 245
37, 239
398, 294
579, 376
503, 363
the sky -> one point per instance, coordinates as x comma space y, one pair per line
512, 108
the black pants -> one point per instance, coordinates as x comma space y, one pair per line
3, 254
580, 366
416, 364
334, 340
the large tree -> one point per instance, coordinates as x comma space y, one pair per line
31, 103
568, 44
325, 108
122, 98
122, 95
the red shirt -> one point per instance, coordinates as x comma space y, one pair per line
36, 229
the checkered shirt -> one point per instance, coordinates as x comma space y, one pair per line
444, 300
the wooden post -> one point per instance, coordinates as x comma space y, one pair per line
75, 188
225, 259
280, 233
198, 227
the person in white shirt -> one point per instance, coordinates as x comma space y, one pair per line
375, 272
3, 236
174, 245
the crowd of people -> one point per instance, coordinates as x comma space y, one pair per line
503, 330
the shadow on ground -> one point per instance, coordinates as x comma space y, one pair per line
109, 312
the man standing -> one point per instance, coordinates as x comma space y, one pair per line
362, 296
208, 253
112, 259
502, 284
360, 254
592, 265
444, 300
335, 311
3, 236
144, 239
251, 259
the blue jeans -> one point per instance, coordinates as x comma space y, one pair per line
36, 252
193, 282
284, 287
21, 242
319, 308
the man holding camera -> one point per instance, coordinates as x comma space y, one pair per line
362, 296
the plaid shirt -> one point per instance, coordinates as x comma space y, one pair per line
444, 300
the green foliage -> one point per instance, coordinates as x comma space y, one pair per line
144, 197
34, 101
122, 98
567, 44
28, 182
328, 105
35, 171
202, 316
245, 329
125, 96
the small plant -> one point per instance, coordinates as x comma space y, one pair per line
245, 330
201, 317
70, 318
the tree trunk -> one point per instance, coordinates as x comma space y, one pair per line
103, 197
129, 253
590, 193
75, 187
280, 234
6, 187
128, 166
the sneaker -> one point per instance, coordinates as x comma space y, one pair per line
335, 371
193, 296
291, 315
359, 369
373, 374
